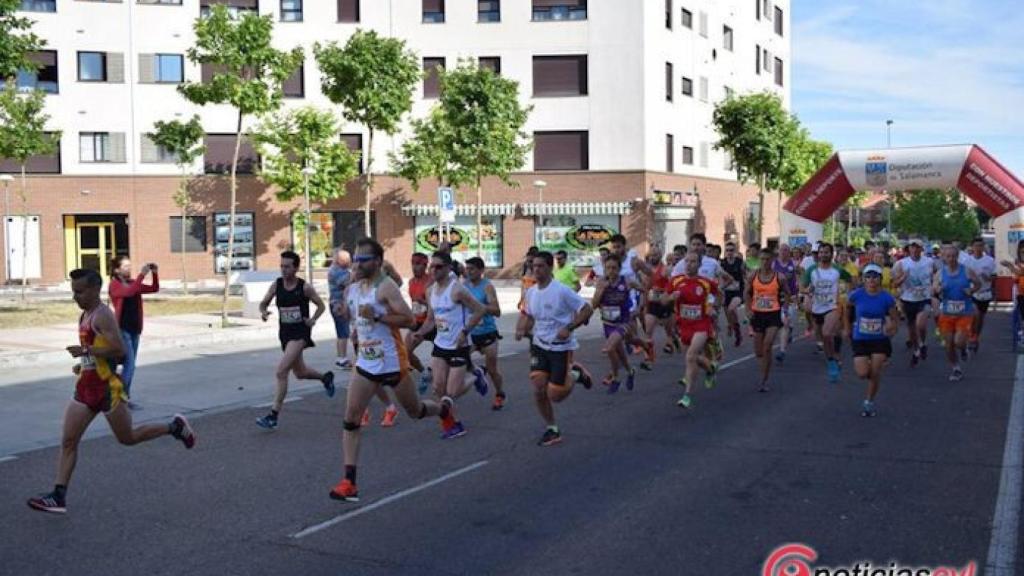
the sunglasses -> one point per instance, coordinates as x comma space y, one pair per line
364, 258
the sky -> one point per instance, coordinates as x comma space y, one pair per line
944, 71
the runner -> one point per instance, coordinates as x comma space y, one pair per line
126, 296
657, 313
98, 389
566, 273
390, 410
821, 283
553, 312
765, 296
1017, 269
295, 327
711, 269
339, 277
612, 298
736, 268
630, 266
809, 260
785, 265
692, 296
878, 259
955, 286
984, 268
380, 312
449, 302
485, 336
871, 320
418, 285
527, 278
912, 276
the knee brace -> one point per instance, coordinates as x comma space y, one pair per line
350, 426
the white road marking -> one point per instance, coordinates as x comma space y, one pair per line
287, 400
7, 459
1002, 550
386, 500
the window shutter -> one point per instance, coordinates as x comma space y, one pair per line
348, 10
116, 153
115, 67
147, 68
148, 151
703, 154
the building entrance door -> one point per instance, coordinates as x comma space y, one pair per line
96, 246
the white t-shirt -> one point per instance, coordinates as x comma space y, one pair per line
626, 270
918, 285
824, 287
983, 268
807, 262
552, 309
709, 268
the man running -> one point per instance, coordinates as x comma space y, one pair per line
656, 312
390, 410
955, 286
553, 312
565, 273
692, 296
98, 389
912, 277
785, 265
126, 296
418, 285
380, 313
295, 329
765, 297
870, 322
821, 282
710, 269
984, 268
736, 268
612, 298
485, 336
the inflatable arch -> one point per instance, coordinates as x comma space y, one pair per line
966, 167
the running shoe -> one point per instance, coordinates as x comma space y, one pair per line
957, 374
457, 430
924, 352
268, 422
499, 401
328, 380
390, 414
667, 349
630, 379
182, 430
915, 358
764, 388
48, 503
646, 366
426, 378
366, 418
867, 409
345, 490
780, 356
480, 380
685, 402
343, 363
709, 376
833, 371
583, 377
613, 386
820, 348
550, 437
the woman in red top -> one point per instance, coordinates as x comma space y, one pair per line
126, 295
692, 297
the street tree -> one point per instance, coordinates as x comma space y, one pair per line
248, 74
16, 40
935, 214
303, 155
802, 157
23, 134
184, 141
372, 79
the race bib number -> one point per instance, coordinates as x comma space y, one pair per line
442, 325
419, 309
371, 350
764, 302
825, 297
291, 315
87, 362
870, 326
919, 292
363, 324
954, 306
611, 313
690, 312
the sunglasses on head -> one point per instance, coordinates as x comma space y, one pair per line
363, 258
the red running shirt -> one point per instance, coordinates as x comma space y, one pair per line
693, 304
418, 295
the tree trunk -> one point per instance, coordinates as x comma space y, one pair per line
368, 184
479, 220
24, 231
184, 222
231, 225
760, 209
849, 222
309, 241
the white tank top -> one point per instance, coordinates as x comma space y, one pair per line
380, 345
449, 316
918, 284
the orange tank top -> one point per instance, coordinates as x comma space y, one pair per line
766, 294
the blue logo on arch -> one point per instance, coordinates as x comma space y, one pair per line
876, 173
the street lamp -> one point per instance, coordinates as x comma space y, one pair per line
888, 133
6, 179
306, 173
540, 185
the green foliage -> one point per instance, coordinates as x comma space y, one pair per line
23, 131
934, 214
249, 70
291, 141
423, 154
755, 129
372, 78
185, 141
16, 40
802, 157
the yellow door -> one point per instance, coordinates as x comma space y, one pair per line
96, 246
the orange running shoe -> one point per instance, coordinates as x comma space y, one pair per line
345, 490
389, 417
366, 418
499, 401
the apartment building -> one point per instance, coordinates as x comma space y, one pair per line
622, 95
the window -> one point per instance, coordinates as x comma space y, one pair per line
703, 154
433, 11
687, 87
92, 67
101, 147
545, 10
235, 7
432, 81
727, 160
492, 63
219, 150
291, 10
766, 10
151, 153
757, 59
294, 86
561, 151
688, 155
348, 11
778, 21
687, 19
670, 156
757, 8
729, 93
43, 164
162, 2
727, 38
168, 68
703, 23
765, 60
703, 89
555, 76
668, 14
488, 11
778, 71
195, 234
668, 81
43, 78
38, 6
355, 146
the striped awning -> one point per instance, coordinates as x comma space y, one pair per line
576, 208
460, 209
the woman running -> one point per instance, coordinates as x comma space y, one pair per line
765, 295
871, 320
612, 299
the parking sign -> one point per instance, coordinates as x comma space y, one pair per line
446, 205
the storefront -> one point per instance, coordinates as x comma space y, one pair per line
462, 235
330, 230
579, 228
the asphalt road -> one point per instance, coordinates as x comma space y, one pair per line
638, 486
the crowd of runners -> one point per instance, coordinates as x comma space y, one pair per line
688, 300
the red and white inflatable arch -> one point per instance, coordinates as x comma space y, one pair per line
966, 167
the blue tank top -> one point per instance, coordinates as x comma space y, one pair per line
487, 325
955, 300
